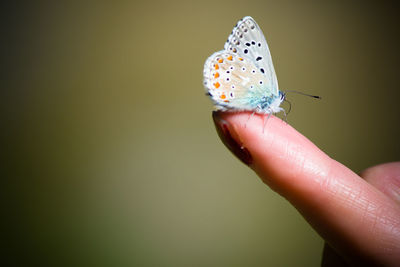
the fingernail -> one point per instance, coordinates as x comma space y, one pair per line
239, 151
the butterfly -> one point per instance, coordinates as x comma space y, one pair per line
242, 77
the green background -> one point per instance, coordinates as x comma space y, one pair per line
111, 157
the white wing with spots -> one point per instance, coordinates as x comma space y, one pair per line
248, 41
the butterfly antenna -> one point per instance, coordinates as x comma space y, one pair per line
301, 93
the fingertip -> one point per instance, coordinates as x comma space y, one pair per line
281, 156
231, 142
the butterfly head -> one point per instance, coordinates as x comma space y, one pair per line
282, 96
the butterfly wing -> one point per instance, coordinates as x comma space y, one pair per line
248, 41
234, 82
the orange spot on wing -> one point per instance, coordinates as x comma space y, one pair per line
216, 85
216, 75
216, 66
241, 59
220, 60
223, 96
229, 58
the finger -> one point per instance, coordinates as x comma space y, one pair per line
330, 258
385, 177
355, 218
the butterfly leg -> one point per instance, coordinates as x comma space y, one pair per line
269, 112
290, 105
252, 114
284, 113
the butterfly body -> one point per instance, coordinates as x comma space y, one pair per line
242, 77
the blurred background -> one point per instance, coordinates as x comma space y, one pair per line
111, 157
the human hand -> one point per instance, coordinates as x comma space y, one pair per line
358, 216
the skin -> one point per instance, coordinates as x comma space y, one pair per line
357, 215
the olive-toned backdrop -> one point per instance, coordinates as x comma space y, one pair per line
111, 157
